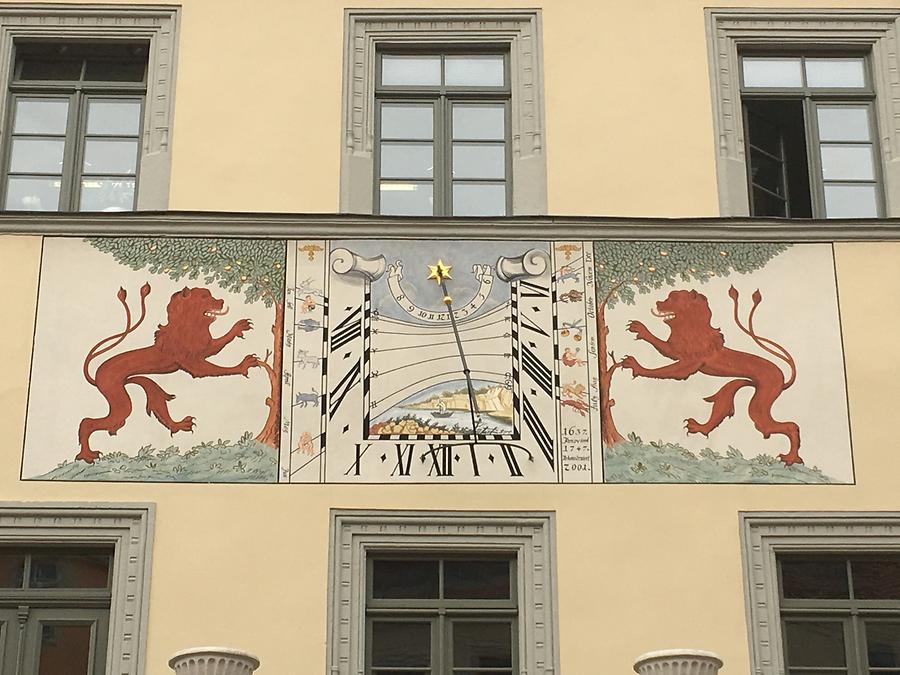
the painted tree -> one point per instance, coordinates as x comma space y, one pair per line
254, 267
624, 269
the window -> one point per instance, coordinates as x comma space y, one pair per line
440, 615
822, 592
74, 587
442, 134
443, 113
809, 136
437, 593
75, 126
59, 599
87, 115
806, 115
840, 614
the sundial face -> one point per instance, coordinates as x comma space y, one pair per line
396, 403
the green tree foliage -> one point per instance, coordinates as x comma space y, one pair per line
624, 269
252, 266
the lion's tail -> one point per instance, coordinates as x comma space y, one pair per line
765, 344
115, 340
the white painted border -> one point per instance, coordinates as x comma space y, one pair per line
518, 29
158, 24
764, 535
530, 535
727, 30
126, 527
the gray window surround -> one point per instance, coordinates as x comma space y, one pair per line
517, 30
729, 30
764, 535
128, 528
156, 24
530, 536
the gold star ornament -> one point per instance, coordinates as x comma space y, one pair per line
439, 272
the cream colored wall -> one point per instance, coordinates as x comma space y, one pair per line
629, 118
640, 567
629, 132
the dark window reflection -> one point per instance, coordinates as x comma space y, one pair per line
405, 579
476, 579
825, 578
876, 579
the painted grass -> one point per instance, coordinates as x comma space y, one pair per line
635, 461
244, 461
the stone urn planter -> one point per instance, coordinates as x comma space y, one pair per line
678, 662
213, 661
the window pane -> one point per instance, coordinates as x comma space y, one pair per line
401, 644
12, 569
411, 70
479, 122
843, 123
32, 194
41, 116
105, 70
814, 579
406, 199
479, 161
405, 579
482, 645
33, 155
482, 579
479, 199
34, 68
876, 579
65, 649
766, 172
851, 201
815, 644
114, 194
852, 162
411, 122
70, 571
473, 71
838, 73
766, 72
765, 204
105, 156
115, 118
407, 160
883, 644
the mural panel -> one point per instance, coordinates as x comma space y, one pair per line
413, 361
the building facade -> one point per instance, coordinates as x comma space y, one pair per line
447, 339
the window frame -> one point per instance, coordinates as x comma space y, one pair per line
810, 99
767, 535
79, 93
366, 32
156, 25
125, 528
732, 31
528, 537
442, 98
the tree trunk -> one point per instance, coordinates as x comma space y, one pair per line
271, 431
609, 435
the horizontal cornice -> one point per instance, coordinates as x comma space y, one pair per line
346, 226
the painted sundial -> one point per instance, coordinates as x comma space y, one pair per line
437, 361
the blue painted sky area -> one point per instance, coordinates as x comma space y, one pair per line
415, 256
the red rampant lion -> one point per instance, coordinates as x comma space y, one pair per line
184, 343
696, 347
